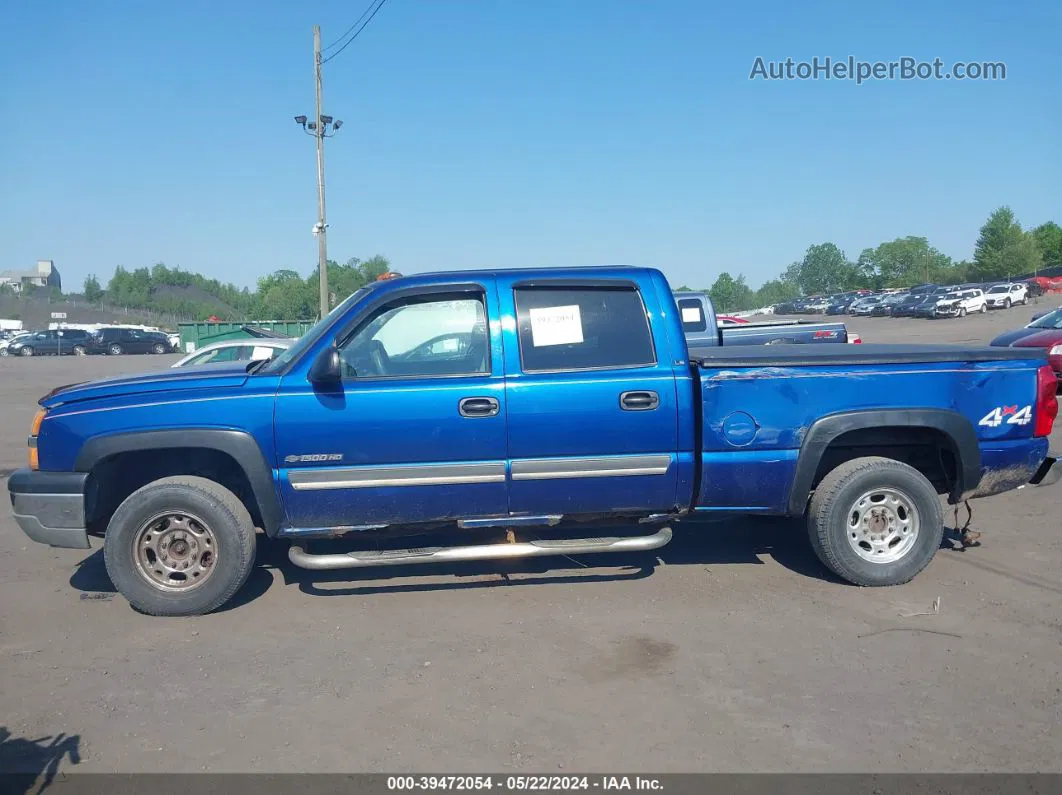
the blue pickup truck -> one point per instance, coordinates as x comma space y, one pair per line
527, 413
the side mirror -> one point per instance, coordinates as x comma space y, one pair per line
327, 368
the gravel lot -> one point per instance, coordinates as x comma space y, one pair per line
733, 650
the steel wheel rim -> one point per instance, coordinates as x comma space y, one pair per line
115, 350
175, 551
79, 351
882, 525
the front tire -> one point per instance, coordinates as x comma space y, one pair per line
158, 349
79, 350
1006, 304
875, 522
27, 351
180, 546
962, 311
115, 350
984, 308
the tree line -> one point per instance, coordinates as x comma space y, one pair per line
1003, 250
282, 295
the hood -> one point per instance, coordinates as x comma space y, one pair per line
206, 376
1042, 338
1008, 338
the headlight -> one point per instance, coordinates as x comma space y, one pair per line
1055, 350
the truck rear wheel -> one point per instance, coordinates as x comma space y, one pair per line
875, 521
180, 546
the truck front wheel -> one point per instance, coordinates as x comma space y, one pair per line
180, 546
875, 521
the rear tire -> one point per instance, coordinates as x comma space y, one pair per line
115, 350
79, 350
875, 522
171, 532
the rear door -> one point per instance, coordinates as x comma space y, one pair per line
591, 400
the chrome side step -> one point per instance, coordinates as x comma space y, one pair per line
525, 549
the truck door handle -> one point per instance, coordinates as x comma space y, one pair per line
478, 407
639, 401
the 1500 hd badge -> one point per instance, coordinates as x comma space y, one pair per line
1011, 415
315, 458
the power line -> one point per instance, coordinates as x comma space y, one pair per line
364, 14
379, 5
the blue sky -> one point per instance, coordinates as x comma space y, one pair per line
513, 133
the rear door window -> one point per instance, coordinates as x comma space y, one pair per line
692, 315
582, 328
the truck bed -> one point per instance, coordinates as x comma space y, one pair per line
761, 405
843, 355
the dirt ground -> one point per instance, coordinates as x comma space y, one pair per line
729, 650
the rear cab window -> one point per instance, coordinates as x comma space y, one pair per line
582, 328
691, 313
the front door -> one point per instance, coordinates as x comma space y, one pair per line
591, 396
416, 430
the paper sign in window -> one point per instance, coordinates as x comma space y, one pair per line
556, 325
691, 315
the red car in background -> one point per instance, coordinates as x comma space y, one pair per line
730, 320
1044, 332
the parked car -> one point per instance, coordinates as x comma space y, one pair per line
905, 308
730, 320
5, 344
839, 306
116, 341
1003, 296
864, 306
1042, 321
886, 304
1045, 333
597, 411
1034, 289
817, 305
246, 350
53, 342
696, 313
961, 303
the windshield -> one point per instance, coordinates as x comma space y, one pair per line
312, 335
1052, 320
1000, 288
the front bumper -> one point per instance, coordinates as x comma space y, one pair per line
50, 506
1050, 471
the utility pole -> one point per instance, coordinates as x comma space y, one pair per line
322, 240
318, 128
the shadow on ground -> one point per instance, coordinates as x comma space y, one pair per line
696, 542
30, 766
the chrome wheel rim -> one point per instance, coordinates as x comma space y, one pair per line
882, 526
175, 551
